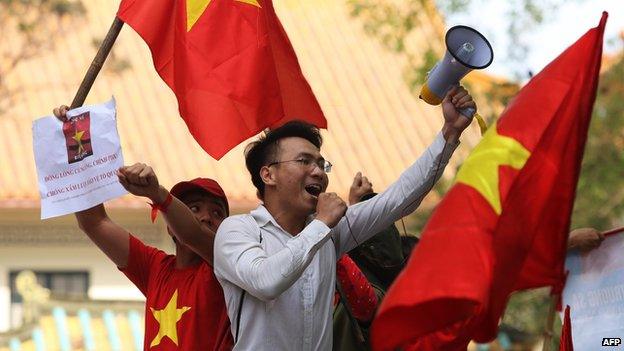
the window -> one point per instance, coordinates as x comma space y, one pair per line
61, 284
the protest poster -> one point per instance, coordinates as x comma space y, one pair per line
77, 159
595, 292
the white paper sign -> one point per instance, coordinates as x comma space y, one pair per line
595, 292
76, 160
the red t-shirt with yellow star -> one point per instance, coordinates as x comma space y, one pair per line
185, 308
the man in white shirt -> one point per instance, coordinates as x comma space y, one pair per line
277, 264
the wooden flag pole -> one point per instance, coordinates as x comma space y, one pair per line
97, 63
550, 321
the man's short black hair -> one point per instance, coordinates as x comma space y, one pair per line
264, 150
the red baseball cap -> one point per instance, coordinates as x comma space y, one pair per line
207, 185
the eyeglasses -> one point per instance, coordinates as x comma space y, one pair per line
323, 164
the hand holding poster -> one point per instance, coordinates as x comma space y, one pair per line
77, 159
595, 292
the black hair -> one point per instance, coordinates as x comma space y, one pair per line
264, 150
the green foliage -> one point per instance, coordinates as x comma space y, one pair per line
393, 22
527, 311
30, 15
389, 22
600, 192
454, 6
64, 7
36, 23
416, 74
522, 18
500, 93
416, 221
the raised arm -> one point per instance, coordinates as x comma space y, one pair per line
364, 219
361, 186
112, 239
140, 179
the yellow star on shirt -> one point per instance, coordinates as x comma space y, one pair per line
480, 170
168, 318
78, 137
195, 8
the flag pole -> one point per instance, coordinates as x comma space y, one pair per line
97, 63
549, 328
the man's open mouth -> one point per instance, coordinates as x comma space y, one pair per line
313, 189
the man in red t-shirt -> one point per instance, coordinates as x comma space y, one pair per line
185, 308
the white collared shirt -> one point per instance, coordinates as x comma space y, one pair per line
289, 280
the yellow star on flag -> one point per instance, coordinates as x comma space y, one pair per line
195, 8
480, 170
78, 137
168, 318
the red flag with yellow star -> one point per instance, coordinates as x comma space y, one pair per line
229, 63
503, 226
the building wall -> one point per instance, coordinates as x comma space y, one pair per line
58, 245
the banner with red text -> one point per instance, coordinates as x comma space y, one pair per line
77, 159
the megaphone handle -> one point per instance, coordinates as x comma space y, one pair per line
468, 112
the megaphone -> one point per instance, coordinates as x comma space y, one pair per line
466, 49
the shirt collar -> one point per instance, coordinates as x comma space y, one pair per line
263, 217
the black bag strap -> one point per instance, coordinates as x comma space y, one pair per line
238, 316
242, 299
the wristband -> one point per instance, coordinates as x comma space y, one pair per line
162, 207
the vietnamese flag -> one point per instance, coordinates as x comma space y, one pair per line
503, 226
229, 63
